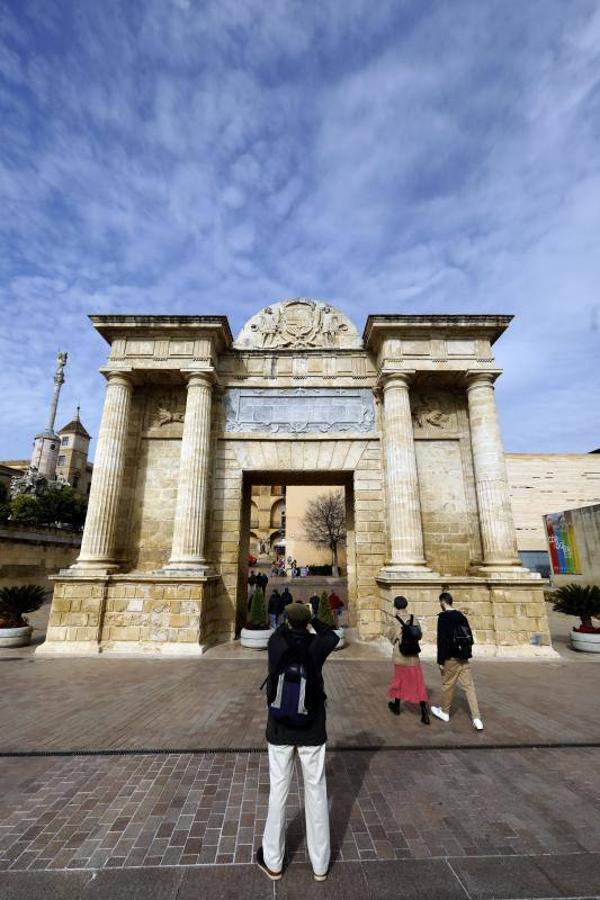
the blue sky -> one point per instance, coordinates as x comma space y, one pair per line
174, 156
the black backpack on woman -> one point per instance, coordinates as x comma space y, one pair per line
411, 635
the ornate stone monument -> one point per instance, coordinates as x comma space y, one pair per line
403, 418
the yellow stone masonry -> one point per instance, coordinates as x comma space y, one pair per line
403, 420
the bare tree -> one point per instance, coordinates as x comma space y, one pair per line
324, 523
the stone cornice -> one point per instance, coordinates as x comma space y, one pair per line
112, 327
379, 327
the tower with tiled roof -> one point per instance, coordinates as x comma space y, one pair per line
72, 463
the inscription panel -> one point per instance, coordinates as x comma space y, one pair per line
299, 410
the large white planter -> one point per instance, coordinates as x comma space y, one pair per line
586, 643
255, 639
16, 637
342, 638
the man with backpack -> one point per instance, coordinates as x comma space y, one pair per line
454, 650
296, 723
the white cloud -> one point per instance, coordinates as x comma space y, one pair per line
209, 157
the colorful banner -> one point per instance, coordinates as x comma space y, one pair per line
562, 544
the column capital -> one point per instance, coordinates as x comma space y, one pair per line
194, 377
396, 378
119, 376
480, 378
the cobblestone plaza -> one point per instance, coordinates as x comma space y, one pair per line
146, 778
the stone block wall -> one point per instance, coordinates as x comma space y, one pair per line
508, 618
133, 614
451, 535
31, 556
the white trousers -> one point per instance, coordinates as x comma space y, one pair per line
316, 810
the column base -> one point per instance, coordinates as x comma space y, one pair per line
503, 569
68, 648
85, 567
186, 568
406, 570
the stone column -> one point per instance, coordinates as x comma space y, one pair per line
491, 483
187, 552
98, 542
402, 486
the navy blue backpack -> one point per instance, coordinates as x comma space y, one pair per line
289, 692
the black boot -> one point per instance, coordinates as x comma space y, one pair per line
394, 706
424, 713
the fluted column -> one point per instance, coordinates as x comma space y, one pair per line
402, 486
98, 542
189, 535
491, 483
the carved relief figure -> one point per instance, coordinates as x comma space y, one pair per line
169, 408
427, 409
268, 326
329, 325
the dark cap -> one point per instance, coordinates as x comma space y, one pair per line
298, 613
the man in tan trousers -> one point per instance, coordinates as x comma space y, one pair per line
454, 650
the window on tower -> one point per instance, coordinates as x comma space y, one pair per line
61, 460
65, 442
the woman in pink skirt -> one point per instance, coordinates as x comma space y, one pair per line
407, 682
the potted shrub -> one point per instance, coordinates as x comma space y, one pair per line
257, 632
325, 614
581, 600
15, 630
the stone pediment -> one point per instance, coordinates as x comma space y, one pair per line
298, 324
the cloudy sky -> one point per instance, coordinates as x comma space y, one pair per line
180, 156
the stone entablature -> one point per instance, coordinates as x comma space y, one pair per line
417, 450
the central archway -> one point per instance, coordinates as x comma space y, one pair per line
339, 479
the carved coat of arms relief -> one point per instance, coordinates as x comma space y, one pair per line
295, 324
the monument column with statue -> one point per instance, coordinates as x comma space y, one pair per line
46, 444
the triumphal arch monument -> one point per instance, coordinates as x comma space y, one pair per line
403, 418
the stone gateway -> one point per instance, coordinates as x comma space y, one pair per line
404, 419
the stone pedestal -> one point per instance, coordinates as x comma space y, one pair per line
508, 616
491, 484
188, 548
402, 486
98, 542
131, 614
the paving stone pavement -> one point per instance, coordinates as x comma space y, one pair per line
100, 812
418, 812
109, 704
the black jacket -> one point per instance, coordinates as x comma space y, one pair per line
446, 622
275, 604
320, 646
286, 597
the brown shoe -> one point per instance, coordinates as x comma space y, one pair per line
260, 862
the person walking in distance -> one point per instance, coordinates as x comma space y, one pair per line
296, 724
407, 681
275, 608
454, 650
